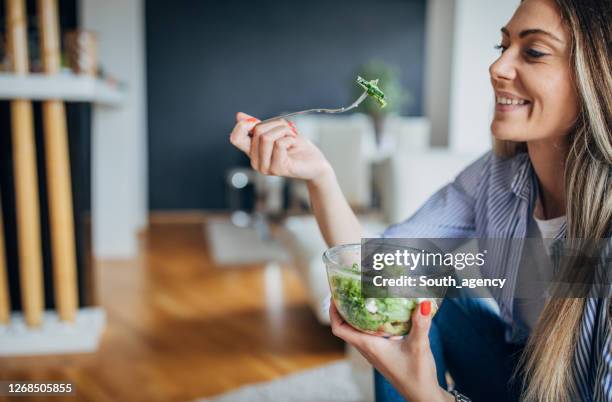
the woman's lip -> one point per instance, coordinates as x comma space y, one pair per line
509, 95
509, 108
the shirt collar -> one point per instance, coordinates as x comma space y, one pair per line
521, 183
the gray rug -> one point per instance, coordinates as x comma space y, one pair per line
330, 383
232, 245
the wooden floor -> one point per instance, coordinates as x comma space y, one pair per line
180, 327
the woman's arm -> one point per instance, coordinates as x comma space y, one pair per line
336, 219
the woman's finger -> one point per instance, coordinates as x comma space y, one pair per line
239, 136
343, 330
256, 133
421, 322
279, 155
244, 116
266, 146
262, 128
254, 150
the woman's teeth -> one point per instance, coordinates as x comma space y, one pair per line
508, 101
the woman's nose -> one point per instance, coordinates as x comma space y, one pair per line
504, 68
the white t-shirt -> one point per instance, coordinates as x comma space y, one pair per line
535, 271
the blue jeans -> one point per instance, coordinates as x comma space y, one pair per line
467, 340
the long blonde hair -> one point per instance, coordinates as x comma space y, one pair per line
547, 362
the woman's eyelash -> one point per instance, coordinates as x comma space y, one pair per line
529, 52
534, 53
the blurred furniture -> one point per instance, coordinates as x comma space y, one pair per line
346, 141
73, 325
237, 182
302, 238
407, 179
269, 199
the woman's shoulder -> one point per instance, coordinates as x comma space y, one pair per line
491, 170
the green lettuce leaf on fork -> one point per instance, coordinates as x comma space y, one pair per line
371, 87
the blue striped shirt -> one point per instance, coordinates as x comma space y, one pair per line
493, 198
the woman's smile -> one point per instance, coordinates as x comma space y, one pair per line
508, 102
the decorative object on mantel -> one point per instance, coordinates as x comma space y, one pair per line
82, 52
395, 95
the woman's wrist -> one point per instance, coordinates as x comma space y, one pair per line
324, 180
440, 395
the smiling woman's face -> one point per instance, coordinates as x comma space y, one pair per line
532, 79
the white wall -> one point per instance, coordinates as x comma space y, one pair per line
119, 165
476, 31
439, 27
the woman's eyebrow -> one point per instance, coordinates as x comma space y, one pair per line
532, 31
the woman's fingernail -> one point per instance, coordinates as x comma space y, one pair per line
292, 127
252, 119
425, 307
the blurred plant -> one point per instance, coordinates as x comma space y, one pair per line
389, 82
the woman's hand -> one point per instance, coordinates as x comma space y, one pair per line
275, 148
407, 363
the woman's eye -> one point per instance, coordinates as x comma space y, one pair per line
501, 47
534, 53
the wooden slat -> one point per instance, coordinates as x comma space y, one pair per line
58, 171
5, 303
26, 178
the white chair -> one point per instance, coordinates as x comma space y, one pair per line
345, 141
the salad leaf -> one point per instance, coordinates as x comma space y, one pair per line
388, 315
371, 87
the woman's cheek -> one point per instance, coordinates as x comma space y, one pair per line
562, 109
554, 104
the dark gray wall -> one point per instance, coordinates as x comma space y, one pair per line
206, 60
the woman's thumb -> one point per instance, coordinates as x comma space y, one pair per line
421, 322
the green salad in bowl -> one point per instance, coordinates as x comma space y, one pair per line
379, 316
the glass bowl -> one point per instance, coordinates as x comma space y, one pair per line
377, 316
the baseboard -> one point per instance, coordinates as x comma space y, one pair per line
53, 336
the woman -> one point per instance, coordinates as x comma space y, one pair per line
549, 175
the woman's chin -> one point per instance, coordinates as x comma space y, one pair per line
503, 132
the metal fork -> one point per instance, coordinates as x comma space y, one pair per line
340, 110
